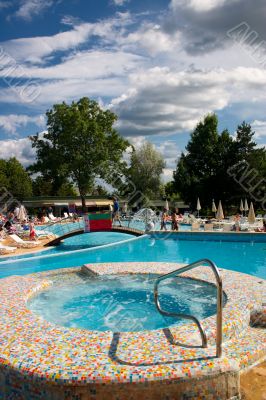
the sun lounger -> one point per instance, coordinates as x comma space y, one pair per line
7, 249
227, 227
52, 217
195, 226
208, 227
23, 243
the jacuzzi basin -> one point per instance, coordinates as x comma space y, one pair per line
122, 303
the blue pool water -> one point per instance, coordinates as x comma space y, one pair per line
123, 303
248, 257
79, 242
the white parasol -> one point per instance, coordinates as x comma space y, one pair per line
241, 207
198, 207
22, 214
220, 213
214, 209
246, 208
251, 214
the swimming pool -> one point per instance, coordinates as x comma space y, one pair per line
79, 242
248, 257
123, 303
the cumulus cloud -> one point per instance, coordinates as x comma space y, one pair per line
12, 122
151, 38
162, 101
204, 24
35, 49
30, 8
87, 64
21, 149
259, 127
120, 2
170, 152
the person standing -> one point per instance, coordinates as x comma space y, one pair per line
174, 221
116, 211
32, 231
163, 220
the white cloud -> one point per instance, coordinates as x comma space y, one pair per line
152, 39
162, 101
11, 123
5, 4
167, 175
259, 127
35, 49
86, 64
120, 2
21, 149
31, 8
55, 91
170, 152
198, 5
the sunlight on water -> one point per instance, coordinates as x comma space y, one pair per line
123, 303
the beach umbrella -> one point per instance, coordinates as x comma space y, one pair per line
198, 207
246, 208
214, 209
124, 208
166, 206
251, 214
22, 214
241, 207
220, 213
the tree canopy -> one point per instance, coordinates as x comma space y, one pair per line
15, 179
204, 169
81, 144
146, 167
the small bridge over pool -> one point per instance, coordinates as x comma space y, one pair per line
67, 227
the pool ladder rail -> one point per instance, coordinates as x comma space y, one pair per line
191, 317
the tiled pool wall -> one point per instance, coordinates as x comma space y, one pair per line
256, 237
42, 361
216, 387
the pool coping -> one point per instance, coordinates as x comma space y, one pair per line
68, 356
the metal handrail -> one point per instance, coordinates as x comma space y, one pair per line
191, 317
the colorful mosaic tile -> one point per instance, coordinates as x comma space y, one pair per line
45, 361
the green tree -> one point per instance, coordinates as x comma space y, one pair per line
146, 166
42, 186
204, 170
197, 168
4, 183
18, 181
252, 176
80, 145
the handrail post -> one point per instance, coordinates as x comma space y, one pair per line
219, 320
219, 312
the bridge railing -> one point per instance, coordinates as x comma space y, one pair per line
63, 226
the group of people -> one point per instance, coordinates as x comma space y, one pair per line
174, 219
10, 221
263, 229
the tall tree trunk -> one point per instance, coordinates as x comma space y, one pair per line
83, 202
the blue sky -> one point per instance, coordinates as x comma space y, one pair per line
160, 65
